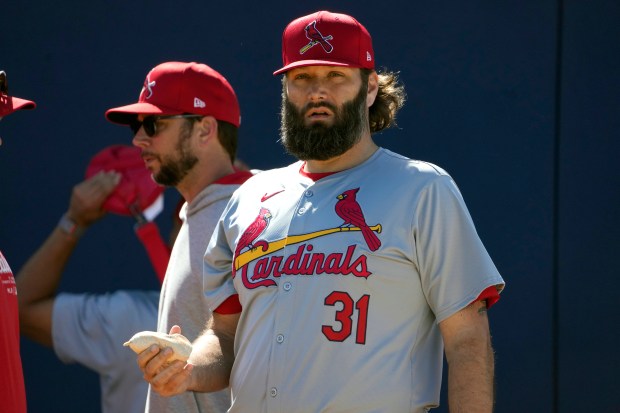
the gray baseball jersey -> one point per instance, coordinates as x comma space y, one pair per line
343, 282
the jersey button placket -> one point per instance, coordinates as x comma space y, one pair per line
307, 204
280, 329
283, 319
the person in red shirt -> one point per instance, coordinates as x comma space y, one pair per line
12, 389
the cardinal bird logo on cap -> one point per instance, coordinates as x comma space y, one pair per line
350, 211
314, 35
148, 88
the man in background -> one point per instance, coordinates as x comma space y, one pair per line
186, 123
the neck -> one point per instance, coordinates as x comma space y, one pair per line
359, 153
201, 176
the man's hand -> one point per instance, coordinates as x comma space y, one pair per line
167, 379
88, 197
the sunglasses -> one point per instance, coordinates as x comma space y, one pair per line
150, 123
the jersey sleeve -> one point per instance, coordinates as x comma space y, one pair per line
454, 265
90, 329
217, 268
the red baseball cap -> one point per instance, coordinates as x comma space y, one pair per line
175, 88
326, 39
9, 104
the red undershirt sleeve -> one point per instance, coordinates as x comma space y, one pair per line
490, 294
230, 306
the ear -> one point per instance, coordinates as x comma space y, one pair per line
373, 88
207, 129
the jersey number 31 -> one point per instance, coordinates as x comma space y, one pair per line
345, 317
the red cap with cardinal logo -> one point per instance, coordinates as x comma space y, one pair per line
176, 88
326, 39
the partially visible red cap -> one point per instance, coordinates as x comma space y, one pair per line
9, 104
136, 186
326, 39
175, 88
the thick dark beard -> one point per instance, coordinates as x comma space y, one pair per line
318, 141
174, 169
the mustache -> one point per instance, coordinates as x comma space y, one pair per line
314, 105
144, 154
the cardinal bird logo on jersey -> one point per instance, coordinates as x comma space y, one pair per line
248, 239
302, 259
315, 37
350, 211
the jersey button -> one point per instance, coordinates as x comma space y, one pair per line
309, 193
273, 392
301, 211
280, 338
287, 286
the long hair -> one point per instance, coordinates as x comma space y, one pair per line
390, 98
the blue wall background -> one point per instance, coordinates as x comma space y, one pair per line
518, 99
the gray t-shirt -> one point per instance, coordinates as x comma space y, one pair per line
182, 301
90, 330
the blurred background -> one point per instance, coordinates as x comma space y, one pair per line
518, 99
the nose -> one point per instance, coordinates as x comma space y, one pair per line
141, 139
317, 90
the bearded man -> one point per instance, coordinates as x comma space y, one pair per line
368, 266
186, 124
